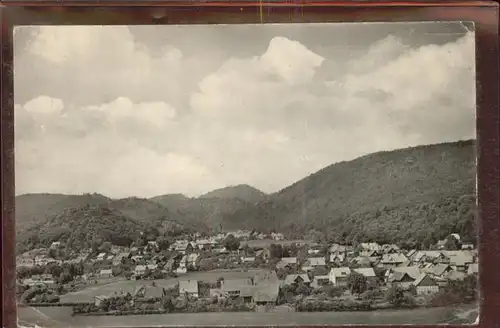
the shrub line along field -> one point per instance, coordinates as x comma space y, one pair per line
87, 294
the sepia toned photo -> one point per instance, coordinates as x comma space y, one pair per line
272, 174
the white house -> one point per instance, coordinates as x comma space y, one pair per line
339, 276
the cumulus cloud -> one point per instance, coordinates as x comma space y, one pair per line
130, 122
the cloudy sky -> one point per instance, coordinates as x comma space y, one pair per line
150, 110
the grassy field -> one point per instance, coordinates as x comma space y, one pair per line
87, 294
61, 317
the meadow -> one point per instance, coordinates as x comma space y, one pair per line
61, 317
88, 293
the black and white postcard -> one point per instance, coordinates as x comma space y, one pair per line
272, 174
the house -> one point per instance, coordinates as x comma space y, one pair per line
191, 260
473, 269
237, 287
337, 258
189, 287
370, 247
361, 261
183, 246
467, 246
393, 260
410, 253
265, 277
402, 276
390, 249
169, 266
106, 273
119, 258
337, 249
313, 262
286, 261
148, 294
314, 249
182, 268
247, 259
401, 279
425, 285
292, 279
140, 270
369, 253
440, 270
153, 245
110, 257
459, 260
454, 275
42, 260
277, 236
368, 273
101, 257
55, 245
339, 276
320, 281
25, 262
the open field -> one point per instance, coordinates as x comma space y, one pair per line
61, 317
87, 294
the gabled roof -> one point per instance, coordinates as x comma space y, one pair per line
454, 275
367, 272
231, 285
398, 276
264, 277
440, 269
421, 278
106, 271
315, 261
412, 271
292, 278
338, 256
393, 258
336, 248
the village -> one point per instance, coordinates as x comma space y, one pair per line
245, 271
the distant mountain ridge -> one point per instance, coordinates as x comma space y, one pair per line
393, 195
407, 187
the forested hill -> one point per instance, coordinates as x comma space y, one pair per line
415, 195
245, 193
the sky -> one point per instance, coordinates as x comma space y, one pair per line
152, 110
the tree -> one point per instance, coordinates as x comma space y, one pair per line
105, 247
451, 244
231, 243
357, 283
163, 243
275, 251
